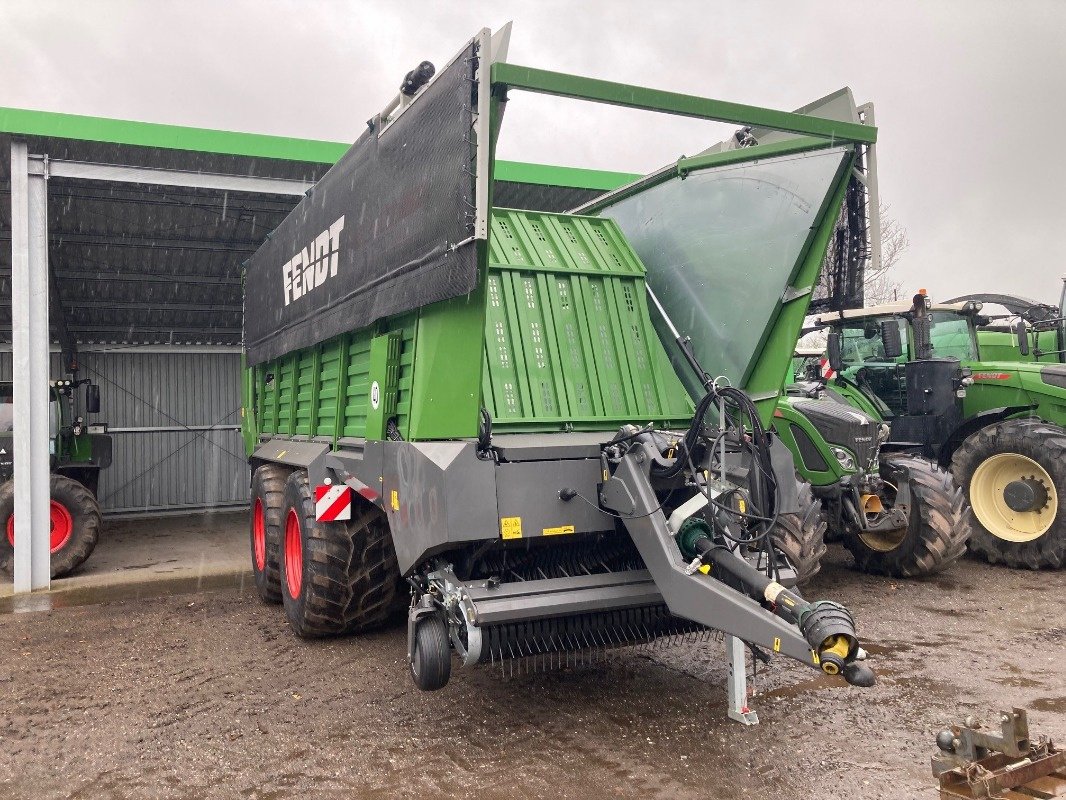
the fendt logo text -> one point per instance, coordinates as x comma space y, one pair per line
313, 265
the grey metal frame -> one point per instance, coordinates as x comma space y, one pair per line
30, 340
30, 332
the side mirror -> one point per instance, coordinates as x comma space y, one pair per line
891, 341
832, 351
1023, 337
92, 398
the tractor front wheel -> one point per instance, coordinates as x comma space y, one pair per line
74, 517
936, 532
1014, 473
800, 537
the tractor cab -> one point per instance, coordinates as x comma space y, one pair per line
905, 364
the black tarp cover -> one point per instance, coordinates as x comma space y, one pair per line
385, 231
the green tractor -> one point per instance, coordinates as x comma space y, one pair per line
998, 425
898, 513
78, 453
1030, 331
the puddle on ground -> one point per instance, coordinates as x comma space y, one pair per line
1054, 704
93, 595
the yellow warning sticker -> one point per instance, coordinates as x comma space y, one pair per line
511, 527
777, 644
556, 531
394, 500
785, 601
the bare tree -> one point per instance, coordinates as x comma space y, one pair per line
881, 285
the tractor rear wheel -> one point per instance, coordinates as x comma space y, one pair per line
268, 506
75, 525
336, 577
800, 537
935, 535
1014, 473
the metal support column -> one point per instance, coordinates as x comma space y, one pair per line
29, 346
738, 682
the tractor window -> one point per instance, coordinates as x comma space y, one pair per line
860, 344
863, 353
951, 337
7, 409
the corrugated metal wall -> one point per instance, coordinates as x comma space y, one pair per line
175, 422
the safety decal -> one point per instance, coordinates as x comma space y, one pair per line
333, 503
557, 531
511, 527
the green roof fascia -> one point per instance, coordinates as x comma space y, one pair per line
621, 94
52, 124
170, 137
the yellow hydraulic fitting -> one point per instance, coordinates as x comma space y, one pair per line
834, 651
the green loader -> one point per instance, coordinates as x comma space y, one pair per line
998, 425
470, 414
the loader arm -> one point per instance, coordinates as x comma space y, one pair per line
820, 635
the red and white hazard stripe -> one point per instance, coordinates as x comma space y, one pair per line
827, 371
333, 503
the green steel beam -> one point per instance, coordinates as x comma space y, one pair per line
684, 166
620, 94
749, 154
574, 177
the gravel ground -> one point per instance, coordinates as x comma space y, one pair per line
211, 696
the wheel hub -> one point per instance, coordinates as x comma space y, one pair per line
1013, 497
61, 527
1026, 494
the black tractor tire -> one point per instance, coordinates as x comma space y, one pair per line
268, 514
1042, 442
801, 536
937, 531
74, 507
344, 577
431, 656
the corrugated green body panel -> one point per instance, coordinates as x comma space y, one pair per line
324, 390
558, 339
568, 341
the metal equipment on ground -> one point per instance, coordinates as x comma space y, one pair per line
467, 411
973, 763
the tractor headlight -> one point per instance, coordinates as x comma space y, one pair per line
845, 458
884, 432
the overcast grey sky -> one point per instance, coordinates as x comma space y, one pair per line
970, 95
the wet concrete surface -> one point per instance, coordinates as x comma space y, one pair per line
146, 557
211, 696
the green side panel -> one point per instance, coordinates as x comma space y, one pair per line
446, 381
357, 384
568, 340
384, 382
327, 392
249, 407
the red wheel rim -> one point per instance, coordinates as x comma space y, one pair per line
294, 557
62, 527
259, 544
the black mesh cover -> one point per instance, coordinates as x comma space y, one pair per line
375, 236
